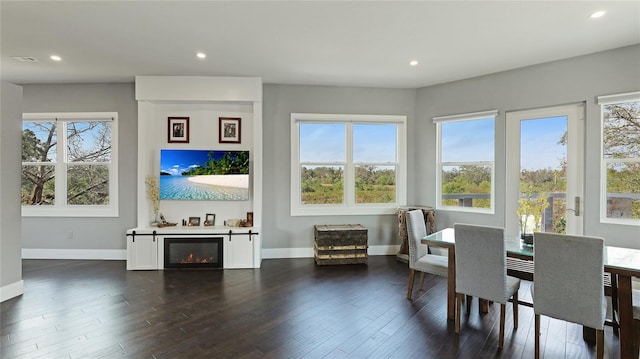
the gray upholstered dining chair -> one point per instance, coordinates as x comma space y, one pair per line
481, 270
568, 282
420, 258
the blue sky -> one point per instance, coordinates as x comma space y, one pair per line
467, 141
474, 141
326, 142
539, 143
177, 161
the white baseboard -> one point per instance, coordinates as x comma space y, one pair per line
99, 254
273, 253
11, 291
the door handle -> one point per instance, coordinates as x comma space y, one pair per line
576, 204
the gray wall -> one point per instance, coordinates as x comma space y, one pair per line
280, 230
89, 233
10, 144
574, 80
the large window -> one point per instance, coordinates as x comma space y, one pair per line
69, 165
347, 164
620, 158
466, 172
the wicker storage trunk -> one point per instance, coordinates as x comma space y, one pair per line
340, 244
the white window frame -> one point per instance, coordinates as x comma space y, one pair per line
64, 210
603, 101
482, 115
348, 207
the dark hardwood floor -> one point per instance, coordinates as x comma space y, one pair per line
289, 308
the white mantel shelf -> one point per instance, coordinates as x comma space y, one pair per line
204, 230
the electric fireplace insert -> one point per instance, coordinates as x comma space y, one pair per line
193, 252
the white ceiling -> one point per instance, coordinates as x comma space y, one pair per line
346, 43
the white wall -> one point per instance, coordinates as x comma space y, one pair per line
574, 80
280, 229
10, 218
92, 237
203, 125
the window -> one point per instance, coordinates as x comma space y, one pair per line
620, 158
347, 164
69, 165
465, 179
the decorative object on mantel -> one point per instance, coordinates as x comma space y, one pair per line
249, 219
178, 130
530, 214
210, 219
163, 222
236, 223
229, 130
153, 193
194, 221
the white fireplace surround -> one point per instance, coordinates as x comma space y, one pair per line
204, 100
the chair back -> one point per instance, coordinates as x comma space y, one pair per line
416, 230
568, 281
481, 262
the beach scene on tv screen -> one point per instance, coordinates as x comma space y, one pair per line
204, 175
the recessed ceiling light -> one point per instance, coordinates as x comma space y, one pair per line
413, 62
55, 58
597, 14
201, 55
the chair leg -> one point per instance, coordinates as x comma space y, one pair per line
600, 343
537, 333
422, 280
515, 310
503, 309
636, 337
614, 304
412, 275
468, 299
459, 298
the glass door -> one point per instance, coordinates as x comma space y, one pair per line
545, 171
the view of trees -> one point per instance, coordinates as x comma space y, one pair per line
87, 145
325, 184
468, 179
230, 163
375, 184
621, 136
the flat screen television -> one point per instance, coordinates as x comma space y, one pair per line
204, 175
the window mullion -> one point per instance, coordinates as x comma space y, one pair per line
349, 171
61, 166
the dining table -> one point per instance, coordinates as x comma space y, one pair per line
621, 263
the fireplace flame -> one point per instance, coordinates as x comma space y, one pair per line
196, 259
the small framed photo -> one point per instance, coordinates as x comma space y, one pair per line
249, 219
210, 219
194, 221
229, 130
178, 130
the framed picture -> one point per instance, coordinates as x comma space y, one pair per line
229, 130
210, 219
249, 219
194, 221
178, 130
